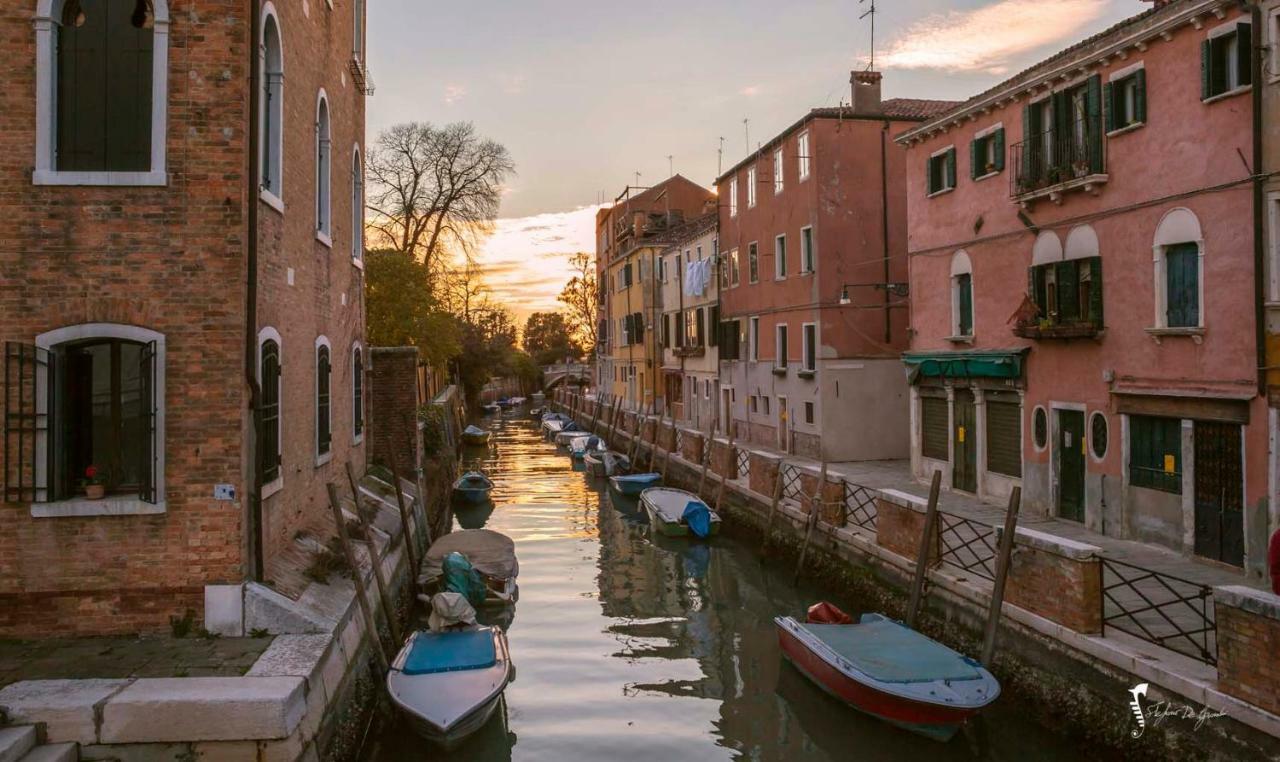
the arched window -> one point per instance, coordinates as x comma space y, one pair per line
324, 414
323, 155
272, 135
1178, 255
101, 87
961, 295
269, 449
357, 394
357, 45
357, 207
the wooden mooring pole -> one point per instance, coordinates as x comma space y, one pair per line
370, 623
814, 511
706, 456
378, 577
1002, 575
732, 465
405, 525
773, 507
926, 545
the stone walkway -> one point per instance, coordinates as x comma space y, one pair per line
121, 657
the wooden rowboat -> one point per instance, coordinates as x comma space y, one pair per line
474, 435
472, 487
888, 670
672, 512
633, 484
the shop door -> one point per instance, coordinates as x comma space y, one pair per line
964, 474
1219, 493
1070, 446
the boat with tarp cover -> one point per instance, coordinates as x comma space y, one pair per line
489, 554
605, 462
473, 487
633, 484
676, 513
888, 670
474, 435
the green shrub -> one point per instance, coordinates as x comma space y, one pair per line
433, 439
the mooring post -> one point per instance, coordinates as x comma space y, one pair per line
815, 510
369, 622
706, 455
773, 506
926, 545
405, 526
1002, 575
423, 523
733, 464
666, 452
378, 578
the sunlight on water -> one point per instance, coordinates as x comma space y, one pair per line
633, 647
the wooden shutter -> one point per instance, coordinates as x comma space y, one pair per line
1038, 288
1140, 95
269, 413
697, 328
1095, 293
1029, 142
1068, 290
951, 168
1206, 70
25, 420
324, 426
1183, 285
1093, 130
999, 149
148, 366
713, 325
964, 285
933, 428
357, 393
1109, 100
1004, 438
638, 322
928, 175
1244, 53
973, 158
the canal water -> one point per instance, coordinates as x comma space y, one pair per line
629, 646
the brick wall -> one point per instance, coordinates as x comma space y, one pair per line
723, 460
1056, 580
762, 475
691, 445
667, 437
898, 528
393, 406
1248, 641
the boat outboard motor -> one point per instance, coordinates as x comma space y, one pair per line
462, 578
450, 611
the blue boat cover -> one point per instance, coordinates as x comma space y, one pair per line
894, 653
474, 431
698, 517
434, 652
461, 577
639, 478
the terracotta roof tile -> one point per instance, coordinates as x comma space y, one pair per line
895, 108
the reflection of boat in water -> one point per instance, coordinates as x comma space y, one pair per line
888, 670
474, 515
489, 553
676, 513
492, 407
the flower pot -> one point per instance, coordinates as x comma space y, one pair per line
95, 491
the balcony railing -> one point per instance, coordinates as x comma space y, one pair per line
690, 351
1053, 161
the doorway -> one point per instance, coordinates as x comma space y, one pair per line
1070, 446
964, 472
1219, 492
784, 422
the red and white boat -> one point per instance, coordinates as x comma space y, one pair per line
888, 670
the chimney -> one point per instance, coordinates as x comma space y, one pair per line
866, 92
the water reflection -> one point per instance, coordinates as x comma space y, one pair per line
637, 647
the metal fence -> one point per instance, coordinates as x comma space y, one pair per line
967, 544
792, 487
1169, 611
859, 506
679, 447
744, 462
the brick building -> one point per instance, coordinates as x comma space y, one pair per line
180, 299
813, 230
1082, 259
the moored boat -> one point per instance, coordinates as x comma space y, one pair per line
633, 484
605, 462
676, 513
492, 407
448, 681
888, 670
474, 435
536, 412
580, 446
472, 487
490, 554
569, 432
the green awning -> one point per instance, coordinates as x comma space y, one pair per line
977, 363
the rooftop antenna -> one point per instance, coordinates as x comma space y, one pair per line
637, 178
872, 13
720, 159
671, 167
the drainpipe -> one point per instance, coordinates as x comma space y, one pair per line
884, 227
1259, 202
251, 296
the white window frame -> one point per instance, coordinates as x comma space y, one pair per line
1175, 228
807, 346
46, 23
754, 325
780, 256
985, 132
802, 155
780, 359
271, 121
779, 181
1273, 44
1273, 262
357, 32
1222, 30
808, 253
962, 265
323, 165
268, 333
751, 186
756, 277
115, 505
733, 196
945, 188
321, 459
357, 207
356, 439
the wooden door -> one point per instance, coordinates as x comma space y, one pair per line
1070, 452
964, 471
1219, 492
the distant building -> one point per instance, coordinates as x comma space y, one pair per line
627, 252
813, 236
1082, 277
690, 322
183, 339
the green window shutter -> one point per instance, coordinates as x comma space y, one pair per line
973, 159
1095, 293
1244, 53
1093, 130
1206, 70
964, 288
1140, 95
1182, 270
999, 149
928, 174
1110, 101
1029, 133
1004, 438
1068, 290
1038, 288
933, 428
951, 168
713, 325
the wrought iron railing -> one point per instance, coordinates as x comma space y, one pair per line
1055, 156
1169, 611
859, 506
967, 544
744, 462
792, 486
679, 443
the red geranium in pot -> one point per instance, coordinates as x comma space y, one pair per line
94, 483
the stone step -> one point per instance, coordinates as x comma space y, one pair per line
16, 741
54, 752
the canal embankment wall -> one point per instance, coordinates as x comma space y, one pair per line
1051, 655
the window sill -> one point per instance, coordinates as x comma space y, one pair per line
272, 487
119, 179
987, 176
118, 506
1125, 129
271, 200
960, 339
1228, 94
1159, 334
324, 238
323, 459
358, 262
780, 370
357, 440
942, 192
1090, 183
807, 373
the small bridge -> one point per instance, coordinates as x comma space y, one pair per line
556, 375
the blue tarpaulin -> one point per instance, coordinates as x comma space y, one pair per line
450, 652
460, 577
697, 516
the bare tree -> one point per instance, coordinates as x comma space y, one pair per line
434, 189
581, 296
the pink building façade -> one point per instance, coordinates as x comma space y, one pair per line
1082, 271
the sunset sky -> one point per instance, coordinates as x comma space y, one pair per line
586, 94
